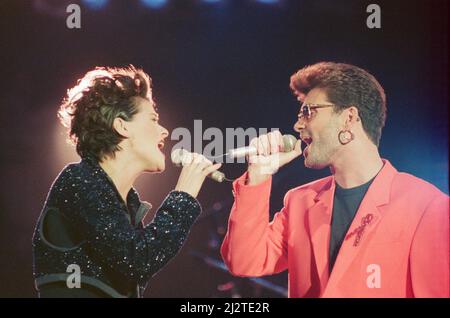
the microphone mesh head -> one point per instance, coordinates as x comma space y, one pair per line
289, 142
177, 156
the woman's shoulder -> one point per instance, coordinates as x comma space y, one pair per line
73, 177
72, 173
78, 182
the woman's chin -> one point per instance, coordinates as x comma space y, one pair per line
156, 167
155, 170
160, 166
161, 169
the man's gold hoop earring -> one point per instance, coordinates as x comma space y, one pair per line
345, 136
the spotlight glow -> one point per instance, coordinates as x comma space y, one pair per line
154, 4
267, 1
95, 4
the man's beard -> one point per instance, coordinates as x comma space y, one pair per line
321, 151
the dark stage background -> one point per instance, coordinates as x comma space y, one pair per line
227, 63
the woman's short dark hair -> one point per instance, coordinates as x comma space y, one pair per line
346, 85
89, 109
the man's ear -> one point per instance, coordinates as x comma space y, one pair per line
352, 116
121, 127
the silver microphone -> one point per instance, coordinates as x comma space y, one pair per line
179, 156
288, 145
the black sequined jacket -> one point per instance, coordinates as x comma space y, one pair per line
85, 222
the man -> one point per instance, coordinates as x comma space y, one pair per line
365, 231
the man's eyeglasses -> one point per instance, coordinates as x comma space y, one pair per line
306, 110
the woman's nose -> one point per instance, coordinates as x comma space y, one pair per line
165, 132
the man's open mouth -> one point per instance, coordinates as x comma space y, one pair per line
307, 140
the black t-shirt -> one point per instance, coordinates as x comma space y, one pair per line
346, 203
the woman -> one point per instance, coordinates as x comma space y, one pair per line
90, 240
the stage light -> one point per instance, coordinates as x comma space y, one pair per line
95, 4
267, 1
154, 4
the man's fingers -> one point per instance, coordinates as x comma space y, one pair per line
280, 141
264, 145
287, 157
274, 142
298, 147
254, 142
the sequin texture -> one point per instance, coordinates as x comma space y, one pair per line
108, 240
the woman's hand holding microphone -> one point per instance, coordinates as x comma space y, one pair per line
196, 168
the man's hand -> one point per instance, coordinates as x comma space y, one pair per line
269, 157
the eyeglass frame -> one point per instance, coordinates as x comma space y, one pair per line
310, 107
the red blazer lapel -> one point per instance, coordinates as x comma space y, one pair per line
319, 219
364, 223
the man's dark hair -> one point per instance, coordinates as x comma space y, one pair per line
346, 85
89, 109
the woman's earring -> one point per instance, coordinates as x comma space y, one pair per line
345, 136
